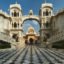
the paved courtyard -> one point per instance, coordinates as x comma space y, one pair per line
31, 55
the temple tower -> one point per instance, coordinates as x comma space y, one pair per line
15, 25
46, 11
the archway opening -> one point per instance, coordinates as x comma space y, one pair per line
31, 29
31, 22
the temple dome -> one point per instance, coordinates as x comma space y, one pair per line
15, 5
31, 12
47, 5
31, 30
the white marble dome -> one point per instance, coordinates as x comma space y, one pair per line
47, 5
15, 5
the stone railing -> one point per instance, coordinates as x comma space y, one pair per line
56, 38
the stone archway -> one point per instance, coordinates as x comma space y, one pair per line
31, 17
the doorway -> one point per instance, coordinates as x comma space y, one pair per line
31, 41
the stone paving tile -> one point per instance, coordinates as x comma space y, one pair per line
31, 55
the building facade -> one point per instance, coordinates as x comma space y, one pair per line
31, 35
12, 22
57, 28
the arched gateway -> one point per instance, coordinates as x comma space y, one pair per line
16, 19
31, 17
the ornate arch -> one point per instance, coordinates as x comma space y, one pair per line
32, 17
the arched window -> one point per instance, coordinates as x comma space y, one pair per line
15, 14
47, 13
15, 25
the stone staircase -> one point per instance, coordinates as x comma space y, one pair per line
31, 55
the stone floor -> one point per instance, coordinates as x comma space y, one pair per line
31, 55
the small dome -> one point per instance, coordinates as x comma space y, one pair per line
15, 5
30, 29
31, 12
47, 5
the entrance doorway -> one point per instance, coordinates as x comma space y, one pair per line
31, 41
31, 29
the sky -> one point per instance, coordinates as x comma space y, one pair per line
31, 4
31, 23
35, 5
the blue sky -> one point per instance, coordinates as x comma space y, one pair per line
31, 4
31, 23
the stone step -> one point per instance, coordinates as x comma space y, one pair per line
30, 55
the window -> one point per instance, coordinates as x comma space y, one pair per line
47, 13
15, 25
15, 14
